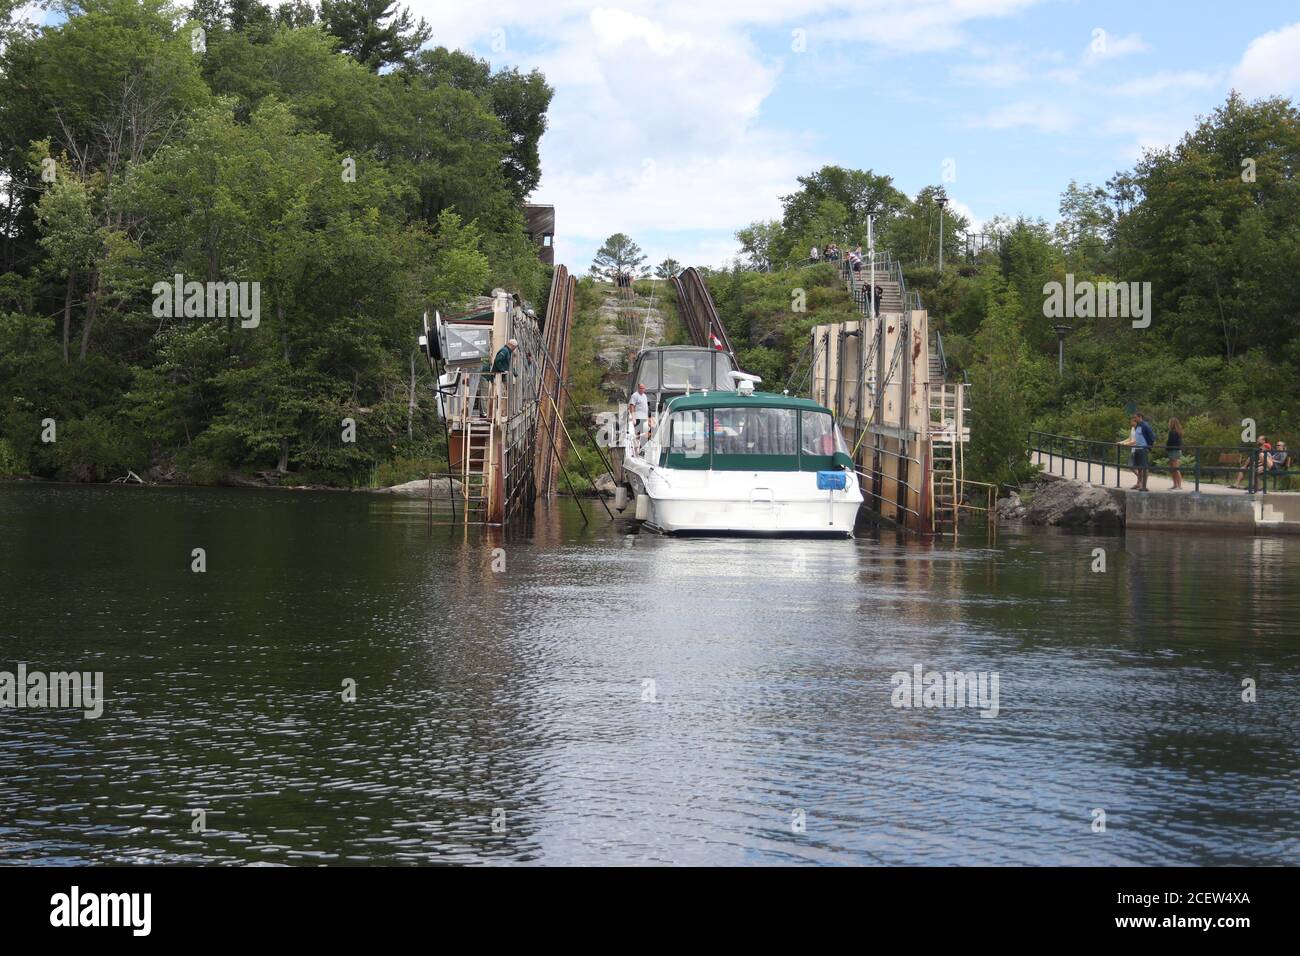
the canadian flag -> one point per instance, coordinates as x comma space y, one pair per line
717, 344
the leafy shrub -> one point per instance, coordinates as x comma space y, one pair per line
95, 448
11, 466
401, 470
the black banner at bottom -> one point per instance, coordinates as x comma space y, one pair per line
335, 905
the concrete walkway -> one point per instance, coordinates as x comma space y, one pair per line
1217, 507
1077, 470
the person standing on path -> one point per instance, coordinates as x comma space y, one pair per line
1174, 449
1137, 439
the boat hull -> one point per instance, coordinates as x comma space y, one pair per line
744, 503
790, 518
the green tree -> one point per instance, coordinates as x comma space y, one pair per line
619, 255
668, 268
518, 100
758, 242
1213, 224
912, 234
377, 33
859, 193
70, 237
1005, 380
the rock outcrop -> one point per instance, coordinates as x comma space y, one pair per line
1011, 508
1072, 504
420, 488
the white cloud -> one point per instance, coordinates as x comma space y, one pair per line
655, 125
1000, 74
1147, 132
1044, 117
1270, 65
909, 26
658, 126
1105, 46
1167, 81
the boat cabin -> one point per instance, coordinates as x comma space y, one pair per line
755, 432
673, 370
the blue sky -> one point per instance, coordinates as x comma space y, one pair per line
680, 122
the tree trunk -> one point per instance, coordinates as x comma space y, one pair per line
92, 306
410, 405
283, 465
67, 313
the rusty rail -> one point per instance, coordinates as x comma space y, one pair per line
698, 311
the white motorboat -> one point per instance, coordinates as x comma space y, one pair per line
744, 462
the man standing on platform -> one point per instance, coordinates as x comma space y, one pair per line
638, 409
501, 366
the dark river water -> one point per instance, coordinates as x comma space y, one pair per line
616, 698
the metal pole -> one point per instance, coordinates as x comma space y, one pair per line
871, 252
941, 207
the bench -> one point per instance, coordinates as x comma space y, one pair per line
1228, 462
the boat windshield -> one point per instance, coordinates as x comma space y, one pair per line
723, 368
754, 431
648, 373
687, 368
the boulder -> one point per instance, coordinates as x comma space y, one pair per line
604, 484
1011, 508
1072, 504
420, 488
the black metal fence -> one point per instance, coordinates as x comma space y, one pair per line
1248, 467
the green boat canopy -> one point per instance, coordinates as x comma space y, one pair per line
707, 449
685, 403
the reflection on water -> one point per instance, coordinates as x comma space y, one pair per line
620, 698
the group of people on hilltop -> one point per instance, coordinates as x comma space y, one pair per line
831, 253
855, 259
1142, 439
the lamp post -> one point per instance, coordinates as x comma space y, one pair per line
942, 200
1061, 332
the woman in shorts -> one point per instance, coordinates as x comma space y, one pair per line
1174, 449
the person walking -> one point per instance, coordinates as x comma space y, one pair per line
1174, 449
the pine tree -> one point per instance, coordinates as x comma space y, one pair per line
376, 33
619, 256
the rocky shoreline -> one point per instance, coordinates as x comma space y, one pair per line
1065, 504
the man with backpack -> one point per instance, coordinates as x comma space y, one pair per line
1148, 442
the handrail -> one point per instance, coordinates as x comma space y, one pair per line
943, 359
878, 497
1089, 452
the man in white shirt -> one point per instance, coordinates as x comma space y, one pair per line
638, 409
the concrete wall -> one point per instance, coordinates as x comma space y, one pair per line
1189, 511
835, 384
